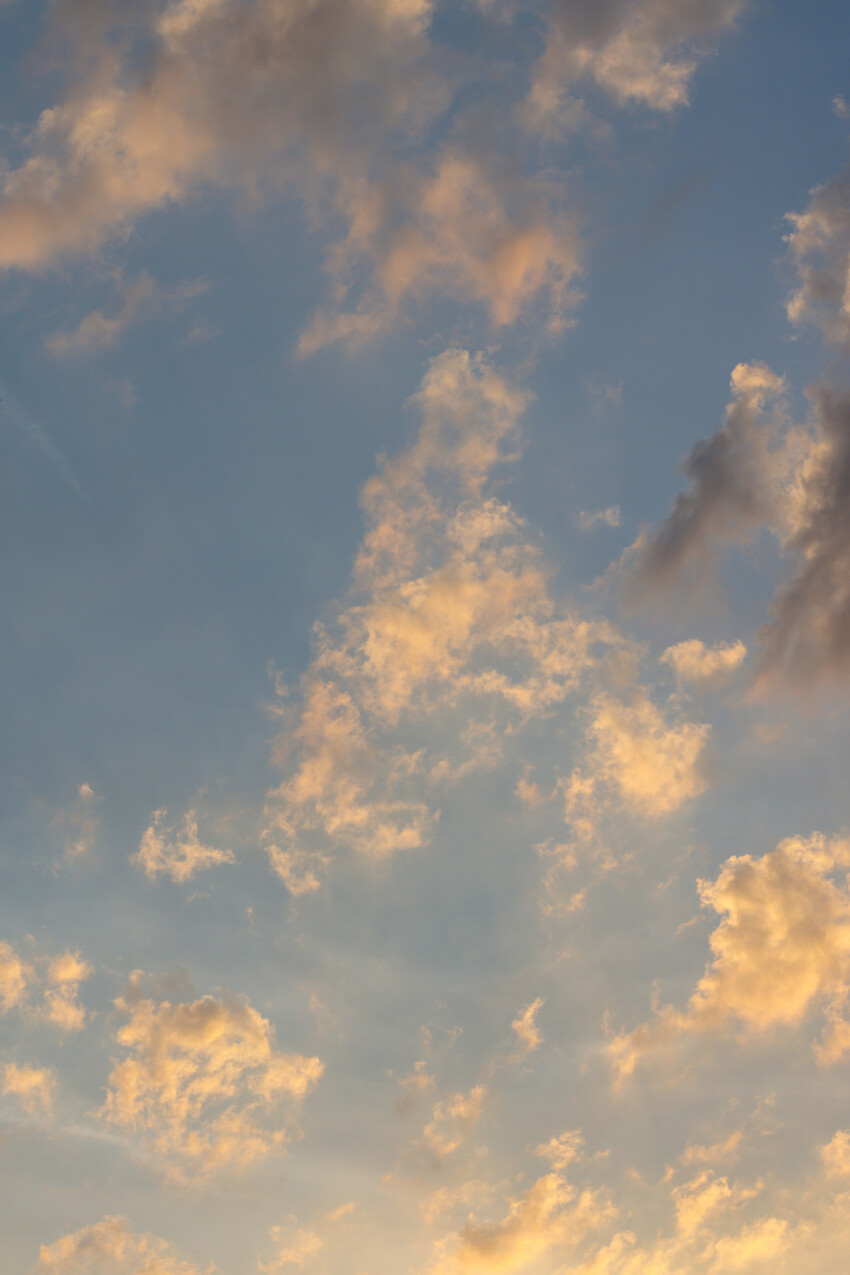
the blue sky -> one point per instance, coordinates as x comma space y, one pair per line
424, 828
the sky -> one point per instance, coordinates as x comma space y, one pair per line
425, 437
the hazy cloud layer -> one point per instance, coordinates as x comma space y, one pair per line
109, 1247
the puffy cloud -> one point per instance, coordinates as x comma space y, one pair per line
781, 950
59, 986
61, 1004
654, 765
466, 230
34, 1087
204, 1082
693, 661
563, 1149
14, 977
820, 247
227, 94
450, 1121
836, 1154
528, 1033
548, 1217
165, 851
109, 1247
610, 517
450, 615
296, 1250
640, 52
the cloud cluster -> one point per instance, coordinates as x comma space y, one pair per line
204, 1082
179, 854
781, 951
33, 1087
450, 629
550, 1216
640, 52
227, 93
53, 982
109, 1247
762, 470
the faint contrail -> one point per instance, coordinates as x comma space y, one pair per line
15, 415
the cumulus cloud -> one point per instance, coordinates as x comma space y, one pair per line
204, 1082
465, 229
640, 52
694, 662
109, 1247
226, 94
836, 1154
819, 244
450, 1121
450, 615
179, 854
780, 952
654, 764
61, 1005
550, 1216
15, 975
33, 1087
22, 982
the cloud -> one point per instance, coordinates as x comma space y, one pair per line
466, 229
548, 1217
450, 1121
109, 1247
819, 243
836, 1154
734, 478
563, 1149
610, 517
527, 1031
61, 1005
59, 986
653, 764
640, 52
781, 950
225, 94
34, 1088
165, 851
81, 823
693, 661
204, 1082
450, 620
139, 298
15, 974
